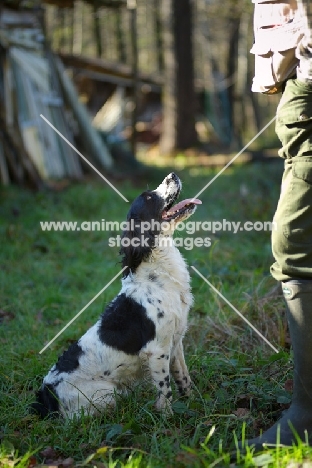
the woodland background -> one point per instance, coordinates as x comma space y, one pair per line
170, 74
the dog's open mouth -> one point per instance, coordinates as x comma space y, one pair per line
181, 209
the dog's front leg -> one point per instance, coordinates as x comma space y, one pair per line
158, 363
179, 370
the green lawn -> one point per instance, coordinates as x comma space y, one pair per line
46, 278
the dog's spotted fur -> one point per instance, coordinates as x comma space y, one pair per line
141, 329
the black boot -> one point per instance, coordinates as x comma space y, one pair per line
297, 420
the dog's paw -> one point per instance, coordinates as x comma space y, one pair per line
163, 405
187, 392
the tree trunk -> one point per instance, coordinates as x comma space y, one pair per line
77, 28
97, 29
120, 36
234, 23
159, 38
179, 101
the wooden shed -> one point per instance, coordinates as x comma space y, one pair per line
34, 91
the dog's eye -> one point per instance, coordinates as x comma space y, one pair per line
148, 197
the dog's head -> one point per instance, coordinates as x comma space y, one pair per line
153, 214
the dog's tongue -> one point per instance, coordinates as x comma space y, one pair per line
182, 203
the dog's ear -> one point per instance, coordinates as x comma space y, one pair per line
46, 404
137, 244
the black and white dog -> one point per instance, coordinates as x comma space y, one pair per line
141, 331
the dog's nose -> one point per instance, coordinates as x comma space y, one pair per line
170, 177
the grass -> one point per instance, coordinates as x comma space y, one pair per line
239, 382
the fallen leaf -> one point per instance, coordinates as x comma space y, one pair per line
49, 452
32, 462
67, 462
241, 412
57, 321
53, 463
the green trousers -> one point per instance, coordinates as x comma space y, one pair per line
292, 236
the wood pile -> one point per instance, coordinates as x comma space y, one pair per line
33, 82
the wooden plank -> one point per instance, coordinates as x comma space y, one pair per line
37, 68
106, 67
28, 118
8, 91
58, 118
98, 151
34, 148
111, 113
125, 82
52, 143
70, 160
17, 158
14, 18
15, 38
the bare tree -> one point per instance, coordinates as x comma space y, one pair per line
179, 101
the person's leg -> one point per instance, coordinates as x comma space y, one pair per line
292, 241
292, 249
297, 420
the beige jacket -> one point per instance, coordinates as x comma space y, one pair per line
278, 29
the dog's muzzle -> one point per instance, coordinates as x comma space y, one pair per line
169, 190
